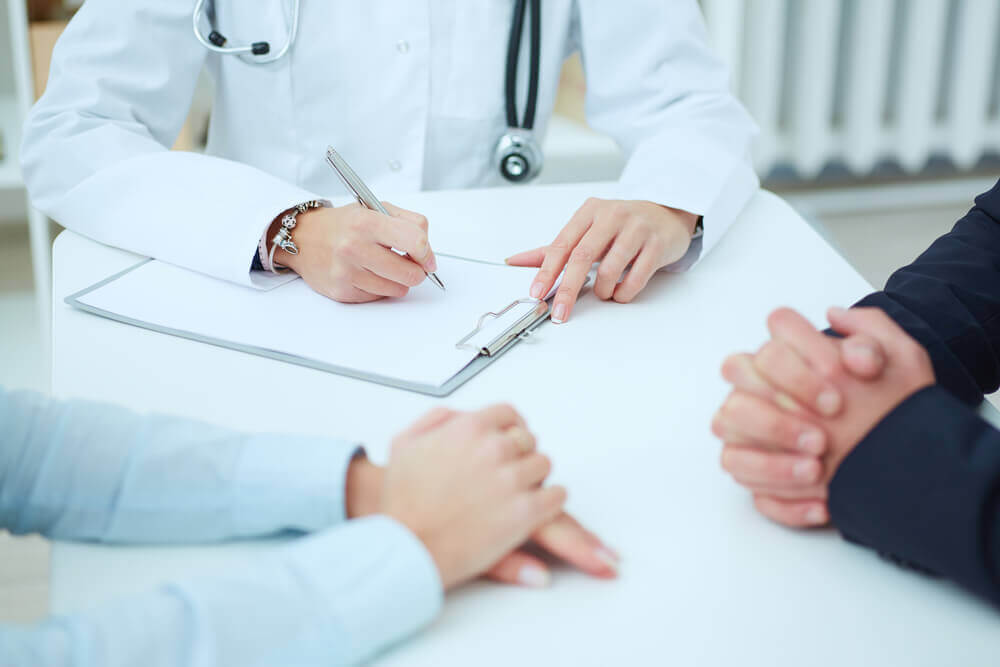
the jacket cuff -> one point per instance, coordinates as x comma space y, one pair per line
908, 491
285, 483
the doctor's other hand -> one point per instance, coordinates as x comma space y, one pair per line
786, 450
618, 234
470, 486
346, 253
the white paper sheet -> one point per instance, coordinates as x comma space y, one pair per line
410, 339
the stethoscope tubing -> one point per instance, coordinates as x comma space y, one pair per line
513, 60
246, 52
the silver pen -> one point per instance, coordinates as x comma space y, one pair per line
361, 192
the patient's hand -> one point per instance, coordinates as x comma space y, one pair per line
805, 400
471, 486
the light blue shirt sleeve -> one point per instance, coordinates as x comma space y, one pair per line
76, 470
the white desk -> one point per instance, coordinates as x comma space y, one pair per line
621, 397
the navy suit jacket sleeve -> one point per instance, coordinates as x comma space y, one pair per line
923, 488
949, 300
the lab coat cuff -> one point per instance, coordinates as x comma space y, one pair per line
287, 483
385, 591
694, 186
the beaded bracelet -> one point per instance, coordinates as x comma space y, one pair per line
283, 239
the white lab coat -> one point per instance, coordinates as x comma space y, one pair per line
411, 93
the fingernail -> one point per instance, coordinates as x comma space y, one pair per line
534, 577
804, 470
837, 311
434, 264
811, 441
828, 402
536, 290
559, 314
608, 557
816, 515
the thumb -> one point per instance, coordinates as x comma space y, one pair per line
863, 356
530, 258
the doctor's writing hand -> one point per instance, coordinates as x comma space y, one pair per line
638, 236
346, 253
470, 486
805, 401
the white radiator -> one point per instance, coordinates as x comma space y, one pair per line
862, 82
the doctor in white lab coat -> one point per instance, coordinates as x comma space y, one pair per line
413, 92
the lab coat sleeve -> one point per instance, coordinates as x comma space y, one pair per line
87, 471
654, 85
333, 598
95, 152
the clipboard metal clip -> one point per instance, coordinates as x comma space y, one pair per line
519, 330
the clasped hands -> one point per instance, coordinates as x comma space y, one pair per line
805, 400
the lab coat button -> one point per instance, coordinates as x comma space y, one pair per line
403, 46
395, 165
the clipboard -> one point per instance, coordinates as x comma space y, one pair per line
486, 351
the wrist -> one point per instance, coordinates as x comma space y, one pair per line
301, 215
363, 490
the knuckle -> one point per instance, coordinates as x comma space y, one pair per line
544, 465
625, 296
718, 426
526, 506
507, 410
560, 245
566, 291
350, 249
357, 222
423, 245
656, 243
779, 317
726, 459
583, 254
608, 272
769, 353
412, 278
509, 477
441, 413
618, 210
773, 425
732, 367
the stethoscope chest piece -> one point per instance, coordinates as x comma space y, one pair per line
519, 156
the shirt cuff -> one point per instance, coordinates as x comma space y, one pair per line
387, 589
285, 483
908, 489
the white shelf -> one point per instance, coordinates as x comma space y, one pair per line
10, 127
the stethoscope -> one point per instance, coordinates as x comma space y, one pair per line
255, 53
518, 153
